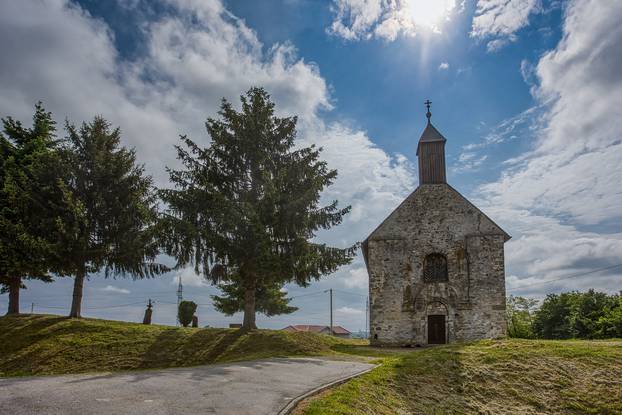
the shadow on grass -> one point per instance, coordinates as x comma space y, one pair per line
44, 344
186, 347
433, 381
19, 337
426, 380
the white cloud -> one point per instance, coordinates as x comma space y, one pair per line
562, 199
193, 56
117, 290
501, 19
356, 278
443, 66
469, 161
189, 278
369, 180
521, 126
527, 71
365, 19
498, 44
349, 310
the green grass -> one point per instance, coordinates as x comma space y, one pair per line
487, 377
44, 345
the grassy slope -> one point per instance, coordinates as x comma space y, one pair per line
37, 345
490, 377
505, 376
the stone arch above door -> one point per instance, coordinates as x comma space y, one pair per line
436, 306
438, 321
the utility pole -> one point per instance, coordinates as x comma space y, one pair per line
331, 309
331, 312
180, 297
32, 308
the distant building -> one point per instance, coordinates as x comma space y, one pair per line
337, 330
436, 266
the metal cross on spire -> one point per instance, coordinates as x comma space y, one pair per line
428, 114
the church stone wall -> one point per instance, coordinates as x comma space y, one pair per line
436, 219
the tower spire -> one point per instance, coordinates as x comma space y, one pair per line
431, 153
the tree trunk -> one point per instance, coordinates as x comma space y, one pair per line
76, 303
14, 287
249, 309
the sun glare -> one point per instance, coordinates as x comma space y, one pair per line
431, 13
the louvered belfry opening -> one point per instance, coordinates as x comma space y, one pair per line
432, 163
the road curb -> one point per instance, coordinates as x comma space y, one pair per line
287, 410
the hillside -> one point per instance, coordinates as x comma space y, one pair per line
487, 377
495, 377
43, 344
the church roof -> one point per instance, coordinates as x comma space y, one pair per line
430, 134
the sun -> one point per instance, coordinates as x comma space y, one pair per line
430, 13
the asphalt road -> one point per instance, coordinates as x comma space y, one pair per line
258, 387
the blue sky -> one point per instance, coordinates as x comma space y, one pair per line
528, 94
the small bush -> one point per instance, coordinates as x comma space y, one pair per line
185, 312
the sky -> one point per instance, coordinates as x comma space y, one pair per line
528, 94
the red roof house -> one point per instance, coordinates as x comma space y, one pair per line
337, 330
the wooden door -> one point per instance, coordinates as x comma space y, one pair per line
436, 329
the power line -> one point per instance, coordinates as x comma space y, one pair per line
351, 293
579, 274
97, 297
307, 295
114, 306
91, 308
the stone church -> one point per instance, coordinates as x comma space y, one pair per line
436, 264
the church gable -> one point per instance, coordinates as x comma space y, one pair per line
439, 203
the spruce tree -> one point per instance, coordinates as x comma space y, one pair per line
31, 203
269, 298
115, 230
245, 210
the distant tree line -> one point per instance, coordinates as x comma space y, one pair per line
242, 211
580, 315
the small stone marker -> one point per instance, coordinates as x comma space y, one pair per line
148, 313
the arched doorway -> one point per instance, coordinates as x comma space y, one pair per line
437, 323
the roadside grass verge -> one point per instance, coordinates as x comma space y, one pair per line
45, 345
487, 377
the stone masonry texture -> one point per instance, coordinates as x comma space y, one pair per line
435, 218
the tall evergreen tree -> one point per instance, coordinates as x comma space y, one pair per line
115, 230
245, 209
31, 202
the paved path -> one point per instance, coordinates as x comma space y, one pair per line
258, 387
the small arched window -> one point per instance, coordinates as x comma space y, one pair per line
435, 268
